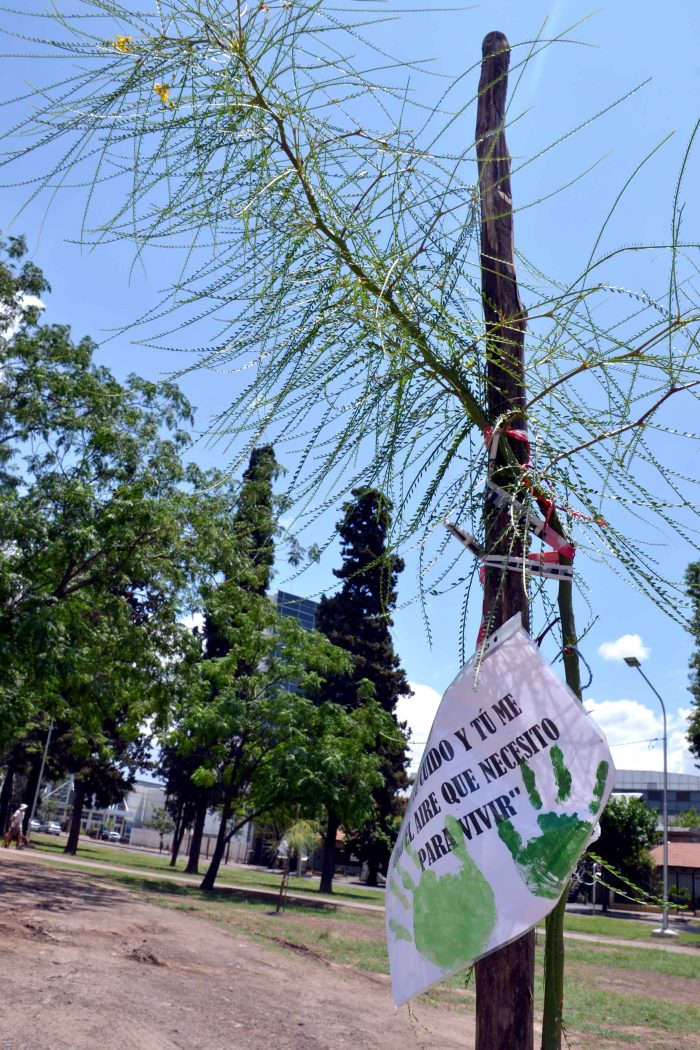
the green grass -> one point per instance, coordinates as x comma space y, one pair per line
652, 961
244, 877
626, 929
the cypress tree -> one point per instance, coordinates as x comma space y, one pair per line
253, 525
358, 618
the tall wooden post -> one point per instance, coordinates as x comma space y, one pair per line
505, 979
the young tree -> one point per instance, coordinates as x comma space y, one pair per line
349, 241
163, 823
358, 619
692, 582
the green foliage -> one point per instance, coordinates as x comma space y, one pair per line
689, 819
249, 718
627, 832
92, 521
344, 226
358, 618
161, 821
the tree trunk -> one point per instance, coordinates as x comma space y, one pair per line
74, 830
178, 835
372, 871
505, 979
30, 787
221, 840
328, 868
553, 1008
200, 815
6, 793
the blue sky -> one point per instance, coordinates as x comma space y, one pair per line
99, 292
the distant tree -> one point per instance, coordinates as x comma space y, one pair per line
253, 525
186, 803
240, 553
689, 819
692, 581
627, 833
163, 823
358, 618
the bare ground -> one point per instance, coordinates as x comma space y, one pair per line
89, 965
86, 964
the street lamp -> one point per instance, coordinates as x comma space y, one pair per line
664, 930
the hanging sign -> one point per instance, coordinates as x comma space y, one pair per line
513, 778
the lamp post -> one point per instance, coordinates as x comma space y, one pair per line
664, 930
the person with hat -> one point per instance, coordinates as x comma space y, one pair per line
15, 832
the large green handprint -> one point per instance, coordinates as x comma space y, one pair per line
454, 914
546, 862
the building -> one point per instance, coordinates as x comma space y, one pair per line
683, 789
134, 811
683, 871
301, 609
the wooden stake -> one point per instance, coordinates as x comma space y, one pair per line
505, 979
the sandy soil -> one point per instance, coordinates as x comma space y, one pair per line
88, 965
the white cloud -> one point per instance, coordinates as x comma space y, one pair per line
635, 735
627, 645
419, 711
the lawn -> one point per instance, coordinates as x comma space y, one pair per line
244, 877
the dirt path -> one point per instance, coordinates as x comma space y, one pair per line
88, 965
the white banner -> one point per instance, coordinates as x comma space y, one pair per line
513, 778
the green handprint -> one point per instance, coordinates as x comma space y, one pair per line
454, 914
546, 862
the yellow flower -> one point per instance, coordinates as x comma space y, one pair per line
163, 93
121, 43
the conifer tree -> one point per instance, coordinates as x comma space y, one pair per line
358, 618
253, 524
253, 527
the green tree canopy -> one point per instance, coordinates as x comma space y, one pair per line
358, 618
627, 833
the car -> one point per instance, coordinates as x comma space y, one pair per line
34, 825
50, 827
114, 836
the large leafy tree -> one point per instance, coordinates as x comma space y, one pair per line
101, 530
692, 580
628, 830
358, 618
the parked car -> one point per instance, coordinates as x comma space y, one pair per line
114, 836
34, 825
50, 827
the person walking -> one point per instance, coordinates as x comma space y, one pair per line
15, 832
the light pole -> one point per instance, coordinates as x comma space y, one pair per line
664, 930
